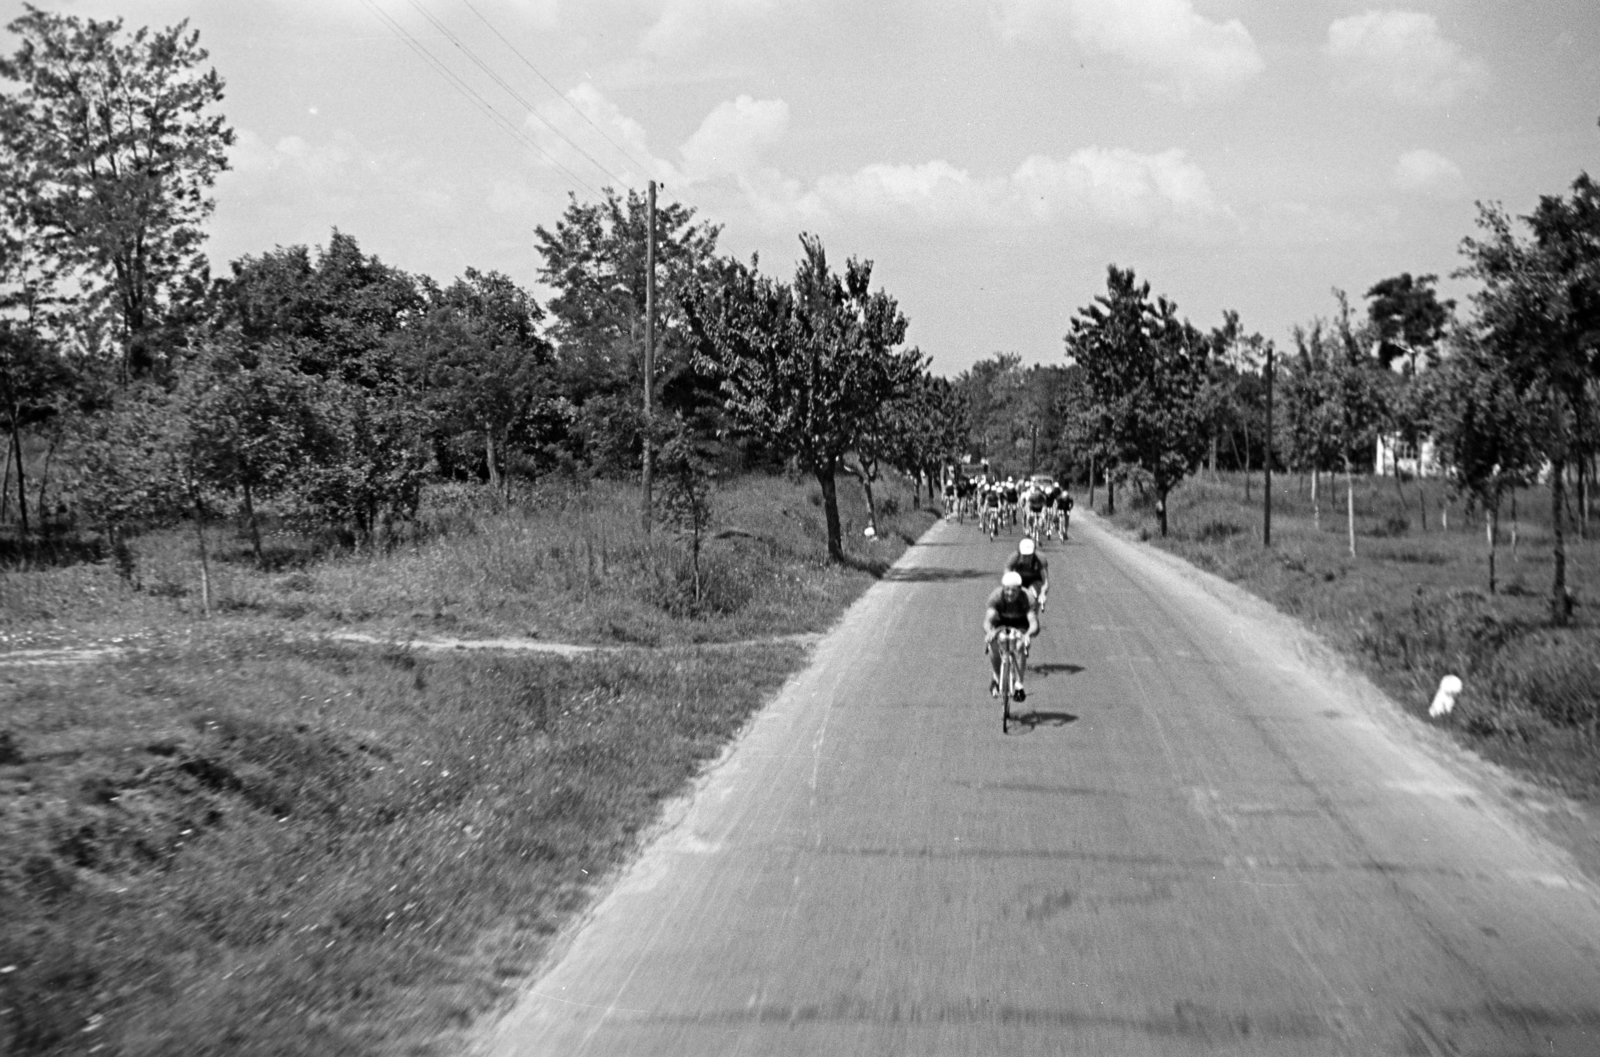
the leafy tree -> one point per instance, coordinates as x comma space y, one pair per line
252, 419
686, 476
483, 363
1486, 432
805, 367
1144, 371
1539, 311
1407, 317
339, 313
369, 457
114, 143
594, 260
35, 391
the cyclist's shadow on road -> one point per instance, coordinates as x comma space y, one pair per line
1035, 719
1047, 670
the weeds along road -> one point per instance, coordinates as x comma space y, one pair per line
1208, 840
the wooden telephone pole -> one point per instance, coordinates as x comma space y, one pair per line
1266, 524
649, 346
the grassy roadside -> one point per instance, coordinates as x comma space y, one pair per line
1413, 605
239, 839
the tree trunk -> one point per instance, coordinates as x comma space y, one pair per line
1558, 500
22, 482
5, 485
1091, 482
205, 563
860, 473
488, 454
830, 512
1493, 523
1161, 510
255, 531
1350, 504
1111, 496
1316, 505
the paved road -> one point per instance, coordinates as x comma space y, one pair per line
1208, 841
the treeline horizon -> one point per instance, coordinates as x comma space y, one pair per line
136, 389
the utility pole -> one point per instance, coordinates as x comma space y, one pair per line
1266, 524
649, 346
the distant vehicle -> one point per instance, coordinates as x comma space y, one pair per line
1042, 480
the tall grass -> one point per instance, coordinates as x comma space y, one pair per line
573, 564
1414, 605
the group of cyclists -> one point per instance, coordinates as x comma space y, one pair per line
1043, 508
1038, 503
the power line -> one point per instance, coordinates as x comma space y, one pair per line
469, 92
512, 92
559, 93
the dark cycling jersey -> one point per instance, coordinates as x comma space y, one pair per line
991, 498
1032, 568
1036, 500
1011, 612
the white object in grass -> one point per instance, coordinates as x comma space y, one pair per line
1445, 699
869, 532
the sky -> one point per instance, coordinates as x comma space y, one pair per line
991, 157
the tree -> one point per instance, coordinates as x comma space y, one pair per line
482, 363
805, 367
594, 260
252, 419
1144, 370
686, 479
114, 140
1539, 311
1486, 432
339, 313
35, 389
1408, 319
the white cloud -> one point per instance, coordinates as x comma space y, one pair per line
731, 138
1112, 187
683, 23
1424, 172
1400, 54
593, 133
1190, 53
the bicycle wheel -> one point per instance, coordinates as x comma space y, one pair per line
1005, 690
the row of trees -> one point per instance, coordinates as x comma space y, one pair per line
1507, 396
330, 385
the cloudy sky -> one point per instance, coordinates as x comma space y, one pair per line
991, 156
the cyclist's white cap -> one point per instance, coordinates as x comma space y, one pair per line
1026, 546
1011, 579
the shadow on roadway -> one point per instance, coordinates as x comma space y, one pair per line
1036, 719
1054, 669
930, 574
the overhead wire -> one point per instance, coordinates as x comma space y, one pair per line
469, 92
472, 56
620, 149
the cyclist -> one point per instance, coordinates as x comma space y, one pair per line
1034, 571
1010, 606
1035, 500
1010, 495
1063, 510
991, 508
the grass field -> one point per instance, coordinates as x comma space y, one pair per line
1413, 604
240, 838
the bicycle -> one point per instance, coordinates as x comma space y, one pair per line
1011, 642
989, 521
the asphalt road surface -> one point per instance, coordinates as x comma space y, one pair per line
1207, 838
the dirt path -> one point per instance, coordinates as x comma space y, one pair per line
67, 655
